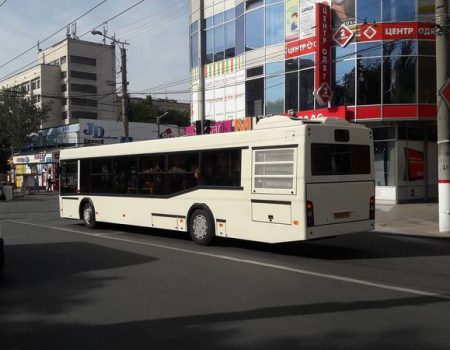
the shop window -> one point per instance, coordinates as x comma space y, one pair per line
291, 91
254, 29
427, 80
400, 48
306, 61
399, 79
291, 65
274, 94
427, 48
275, 24
254, 95
306, 88
344, 87
372, 49
368, 77
384, 163
384, 133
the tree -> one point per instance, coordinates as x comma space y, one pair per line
18, 119
144, 111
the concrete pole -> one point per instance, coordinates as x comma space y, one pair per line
443, 125
123, 60
202, 59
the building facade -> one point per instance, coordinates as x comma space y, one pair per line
370, 62
75, 78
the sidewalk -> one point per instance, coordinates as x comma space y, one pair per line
419, 219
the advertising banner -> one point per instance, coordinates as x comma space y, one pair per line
322, 90
397, 31
292, 20
300, 47
415, 164
307, 21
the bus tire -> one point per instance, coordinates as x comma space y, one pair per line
201, 227
88, 215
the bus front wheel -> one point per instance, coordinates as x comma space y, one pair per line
88, 215
201, 227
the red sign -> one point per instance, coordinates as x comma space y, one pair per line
322, 91
444, 92
335, 112
396, 31
300, 47
416, 164
343, 35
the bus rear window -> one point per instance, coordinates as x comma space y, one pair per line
338, 159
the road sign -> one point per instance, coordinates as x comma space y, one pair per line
323, 94
444, 91
343, 35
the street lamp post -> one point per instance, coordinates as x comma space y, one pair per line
157, 122
123, 68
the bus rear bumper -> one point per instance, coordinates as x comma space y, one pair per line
339, 229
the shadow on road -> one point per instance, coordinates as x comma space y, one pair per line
353, 246
226, 330
50, 278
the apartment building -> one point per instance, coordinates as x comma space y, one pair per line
75, 78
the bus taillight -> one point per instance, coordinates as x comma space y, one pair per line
372, 208
309, 213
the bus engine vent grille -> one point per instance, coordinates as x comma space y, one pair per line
274, 170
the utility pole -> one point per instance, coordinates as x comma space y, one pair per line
123, 60
443, 123
202, 56
123, 68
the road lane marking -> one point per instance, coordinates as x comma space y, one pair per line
252, 262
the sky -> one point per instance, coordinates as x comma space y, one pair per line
157, 31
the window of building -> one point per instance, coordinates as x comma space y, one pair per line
372, 49
194, 27
427, 80
83, 75
219, 43
399, 10
344, 84
368, 81
306, 89
83, 115
291, 91
399, 79
274, 93
368, 11
230, 37
255, 71
229, 14
218, 19
209, 46
384, 163
76, 101
83, 88
62, 60
63, 87
250, 4
63, 75
254, 29
275, 24
83, 60
400, 48
63, 115
64, 101
254, 95
343, 12
194, 50
240, 35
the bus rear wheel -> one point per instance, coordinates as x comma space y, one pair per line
201, 227
88, 215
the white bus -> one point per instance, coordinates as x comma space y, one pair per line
287, 180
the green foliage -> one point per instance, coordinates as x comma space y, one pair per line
18, 119
144, 111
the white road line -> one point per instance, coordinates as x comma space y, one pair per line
256, 263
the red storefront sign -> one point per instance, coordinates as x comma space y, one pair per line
396, 31
300, 47
343, 35
335, 112
322, 90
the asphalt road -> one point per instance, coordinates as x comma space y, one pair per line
119, 287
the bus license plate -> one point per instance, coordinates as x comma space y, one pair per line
342, 215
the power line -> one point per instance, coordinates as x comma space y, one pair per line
50, 36
4, 2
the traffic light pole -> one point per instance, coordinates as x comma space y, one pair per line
443, 123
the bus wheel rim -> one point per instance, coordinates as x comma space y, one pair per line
200, 227
88, 215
